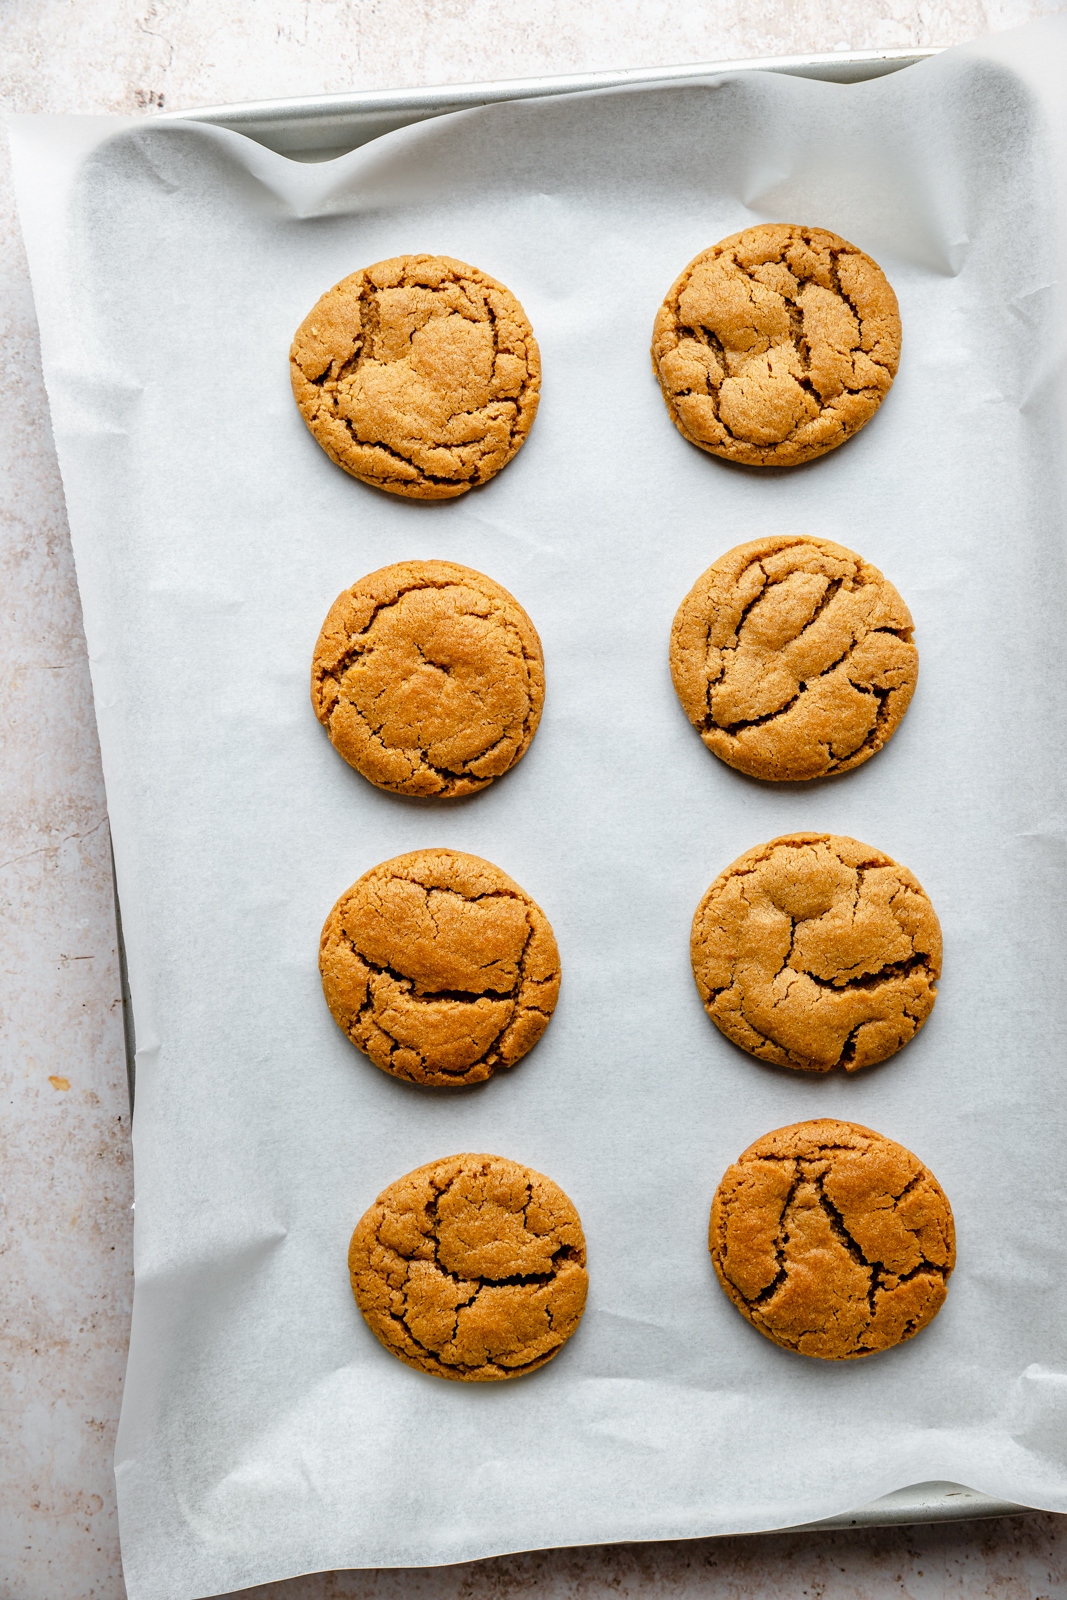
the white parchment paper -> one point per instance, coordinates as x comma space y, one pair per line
264, 1431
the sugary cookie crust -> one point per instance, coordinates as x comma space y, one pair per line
776, 345
439, 967
429, 678
814, 951
832, 1240
471, 1268
420, 375
794, 658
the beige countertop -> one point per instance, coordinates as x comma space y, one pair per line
66, 1163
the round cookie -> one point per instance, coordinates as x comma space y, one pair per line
815, 951
794, 658
439, 968
776, 345
429, 678
472, 1267
832, 1240
419, 375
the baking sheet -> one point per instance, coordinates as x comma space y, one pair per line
264, 1431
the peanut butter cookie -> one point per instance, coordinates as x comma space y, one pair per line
429, 678
419, 375
832, 1240
794, 658
471, 1268
439, 968
815, 951
776, 345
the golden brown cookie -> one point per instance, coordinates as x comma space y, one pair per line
429, 678
832, 1240
420, 375
815, 951
776, 345
472, 1268
794, 658
439, 967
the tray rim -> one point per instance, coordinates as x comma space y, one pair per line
324, 126
332, 123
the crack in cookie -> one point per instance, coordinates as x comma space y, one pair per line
815, 951
471, 1268
832, 1240
429, 678
439, 968
419, 375
776, 345
794, 659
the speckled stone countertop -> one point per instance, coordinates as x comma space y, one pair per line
66, 1162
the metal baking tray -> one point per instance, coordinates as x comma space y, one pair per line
318, 128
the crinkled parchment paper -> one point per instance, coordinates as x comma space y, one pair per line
264, 1431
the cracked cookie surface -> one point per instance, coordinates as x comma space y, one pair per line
472, 1268
776, 345
429, 678
419, 375
439, 968
832, 1240
815, 951
793, 657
